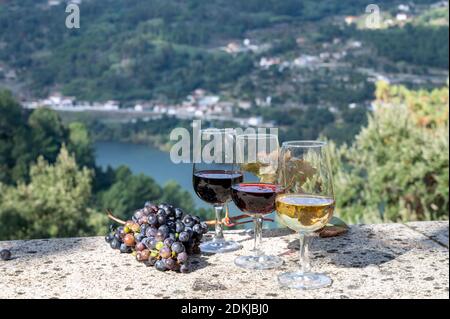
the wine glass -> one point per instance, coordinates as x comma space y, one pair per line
257, 155
212, 178
306, 205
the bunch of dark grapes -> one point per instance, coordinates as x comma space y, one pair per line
161, 236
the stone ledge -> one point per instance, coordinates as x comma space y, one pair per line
370, 261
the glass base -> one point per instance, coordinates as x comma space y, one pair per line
219, 246
300, 280
258, 262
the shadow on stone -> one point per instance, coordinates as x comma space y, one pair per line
207, 285
438, 235
347, 250
197, 262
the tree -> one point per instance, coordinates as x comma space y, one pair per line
54, 204
48, 133
14, 141
398, 167
80, 144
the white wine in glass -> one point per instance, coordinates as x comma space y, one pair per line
306, 205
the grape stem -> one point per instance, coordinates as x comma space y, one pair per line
114, 218
231, 221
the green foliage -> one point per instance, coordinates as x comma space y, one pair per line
398, 167
81, 145
173, 194
24, 137
48, 133
129, 192
14, 141
54, 204
430, 44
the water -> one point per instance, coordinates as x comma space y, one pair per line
149, 161
152, 162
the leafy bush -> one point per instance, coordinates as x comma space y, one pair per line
398, 167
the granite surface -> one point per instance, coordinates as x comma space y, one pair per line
370, 261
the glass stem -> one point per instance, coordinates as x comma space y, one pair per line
258, 224
218, 209
305, 263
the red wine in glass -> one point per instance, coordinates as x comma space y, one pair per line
214, 186
255, 198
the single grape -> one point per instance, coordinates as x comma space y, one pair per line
182, 257
184, 236
144, 228
188, 221
197, 229
152, 219
120, 231
168, 242
196, 219
151, 232
162, 219
143, 255
109, 238
129, 240
177, 247
160, 235
152, 243
165, 252
125, 249
5, 254
160, 265
135, 227
170, 263
179, 226
138, 237
179, 213
164, 228
189, 231
184, 269
138, 214
115, 243
170, 211
205, 227
140, 246
143, 220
